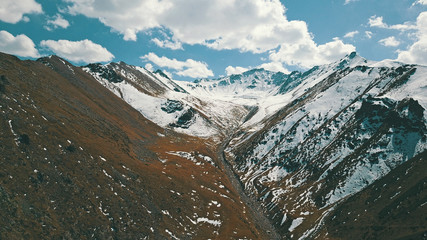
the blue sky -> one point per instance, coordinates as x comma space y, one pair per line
209, 38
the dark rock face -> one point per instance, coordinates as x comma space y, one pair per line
161, 73
405, 115
24, 139
186, 119
235, 77
222, 83
290, 81
3, 83
172, 106
105, 72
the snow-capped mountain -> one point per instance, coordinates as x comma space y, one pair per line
250, 86
259, 155
345, 126
164, 102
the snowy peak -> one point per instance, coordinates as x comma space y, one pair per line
258, 84
161, 73
351, 60
259, 79
105, 72
247, 88
346, 125
165, 102
140, 78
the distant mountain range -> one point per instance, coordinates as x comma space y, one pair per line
117, 151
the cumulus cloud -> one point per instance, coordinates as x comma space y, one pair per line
167, 44
255, 26
349, 1
351, 34
378, 22
274, 67
248, 25
12, 11
149, 67
422, 2
270, 66
389, 42
20, 45
309, 54
417, 52
57, 22
187, 68
368, 34
235, 70
375, 21
78, 51
126, 17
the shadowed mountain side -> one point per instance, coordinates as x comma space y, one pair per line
394, 206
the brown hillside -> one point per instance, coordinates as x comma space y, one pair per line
77, 162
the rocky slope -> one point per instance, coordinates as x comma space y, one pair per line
80, 163
341, 132
333, 151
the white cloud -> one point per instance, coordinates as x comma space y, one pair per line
235, 70
368, 34
378, 22
167, 44
417, 52
149, 67
422, 2
248, 25
20, 45
79, 51
309, 54
187, 68
389, 42
254, 26
270, 66
57, 22
126, 17
163, 61
274, 67
351, 34
349, 1
375, 21
12, 11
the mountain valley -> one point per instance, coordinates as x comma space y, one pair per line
116, 151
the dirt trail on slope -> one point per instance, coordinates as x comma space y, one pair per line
257, 213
